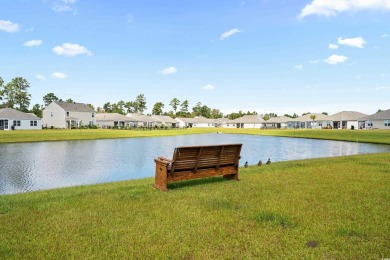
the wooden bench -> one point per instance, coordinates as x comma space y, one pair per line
191, 162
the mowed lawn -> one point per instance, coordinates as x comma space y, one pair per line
362, 136
330, 208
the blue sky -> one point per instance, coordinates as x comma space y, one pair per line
258, 55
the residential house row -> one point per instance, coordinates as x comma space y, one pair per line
73, 115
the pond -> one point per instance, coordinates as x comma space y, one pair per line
46, 165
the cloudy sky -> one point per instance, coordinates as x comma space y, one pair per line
265, 55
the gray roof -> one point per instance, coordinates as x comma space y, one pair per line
166, 119
249, 119
346, 116
74, 107
134, 117
10, 113
197, 119
112, 117
306, 118
279, 119
384, 115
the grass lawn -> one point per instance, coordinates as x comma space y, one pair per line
333, 208
363, 136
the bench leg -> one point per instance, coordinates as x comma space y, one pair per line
161, 177
232, 177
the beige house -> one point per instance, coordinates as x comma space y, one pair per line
68, 115
277, 122
109, 120
11, 119
379, 120
165, 120
249, 121
198, 121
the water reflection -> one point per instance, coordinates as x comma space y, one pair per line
46, 165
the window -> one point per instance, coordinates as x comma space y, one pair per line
369, 123
90, 122
67, 113
51, 114
16, 123
93, 114
387, 122
33, 123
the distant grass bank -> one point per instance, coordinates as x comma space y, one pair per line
333, 208
363, 136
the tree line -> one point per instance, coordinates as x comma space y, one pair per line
15, 95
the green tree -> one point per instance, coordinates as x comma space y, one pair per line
107, 107
69, 100
131, 107
120, 107
324, 113
91, 106
266, 117
215, 113
37, 110
174, 104
48, 98
141, 103
157, 108
197, 109
1, 88
313, 117
16, 93
184, 106
379, 110
205, 111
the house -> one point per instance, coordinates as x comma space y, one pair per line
249, 121
277, 122
306, 121
227, 123
198, 121
380, 120
68, 115
138, 120
11, 119
344, 120
165, 120
109, 120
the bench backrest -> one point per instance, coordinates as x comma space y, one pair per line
193, 158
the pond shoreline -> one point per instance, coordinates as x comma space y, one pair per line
49, 135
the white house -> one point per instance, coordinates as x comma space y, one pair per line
344, 120
249, 121
11, 119
227, 123
277, 122
165, 120
68, 115
108, 120
379, 120
306, 121
198, 121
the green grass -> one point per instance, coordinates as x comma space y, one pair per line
333, 208
363, 136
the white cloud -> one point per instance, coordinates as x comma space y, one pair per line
333, 7
385, 35
8, 26
229, 33
168, 71
298, 67
357, 42
40, 77
333, 46
63, 6
33, 43
208, 87
335, 59
58, 75
71, 50
382, 88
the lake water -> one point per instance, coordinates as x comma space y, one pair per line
46, 165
